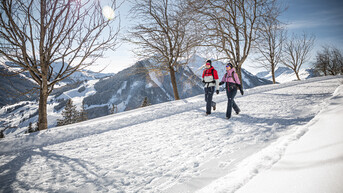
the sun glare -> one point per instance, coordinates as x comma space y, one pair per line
108, 12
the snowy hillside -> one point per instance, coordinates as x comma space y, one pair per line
168, 147
284, 74
128, 89
123, 91
12, 87
249, 80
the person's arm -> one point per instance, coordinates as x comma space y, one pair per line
216, 78
238, 82
223, 80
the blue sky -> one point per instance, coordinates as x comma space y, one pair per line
322, 18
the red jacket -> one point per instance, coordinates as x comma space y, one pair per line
211, 79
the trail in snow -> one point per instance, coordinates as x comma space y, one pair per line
169, 147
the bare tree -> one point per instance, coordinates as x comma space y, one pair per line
323, 60
329, 61
233, 26
114, 109
297, 51
270, 45
35, 35
166, 35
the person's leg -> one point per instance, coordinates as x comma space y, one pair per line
206, 97
209, 102
230, 96
235, 107
213, 104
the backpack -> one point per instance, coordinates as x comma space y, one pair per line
208, 83
232, 75
235, 85
212, 73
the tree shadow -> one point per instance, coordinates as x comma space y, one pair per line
273, 124
282, 121
83, 170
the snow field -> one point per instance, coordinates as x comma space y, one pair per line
314, 163
170, 147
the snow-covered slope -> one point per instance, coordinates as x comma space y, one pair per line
284, 74
168, 147
312, 164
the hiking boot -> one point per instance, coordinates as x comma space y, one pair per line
237, 112
207, 114
214, 107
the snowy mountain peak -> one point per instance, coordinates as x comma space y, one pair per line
285, 74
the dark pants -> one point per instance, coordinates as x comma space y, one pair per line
231, 93
208, 98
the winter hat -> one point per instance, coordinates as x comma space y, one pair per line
229, 65
209, 61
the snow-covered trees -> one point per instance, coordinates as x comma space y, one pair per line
71, 114
31, 129
145, 102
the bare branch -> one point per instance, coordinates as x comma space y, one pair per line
38, 34
297, 51
167, 34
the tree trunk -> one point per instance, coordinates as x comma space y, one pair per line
239, 73
43, 97
173, 81
42, 110
273, 74
297, 74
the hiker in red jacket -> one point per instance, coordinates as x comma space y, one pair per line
211, 83
232, 83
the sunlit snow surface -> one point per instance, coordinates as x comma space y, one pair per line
169, 147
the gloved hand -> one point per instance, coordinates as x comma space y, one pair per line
221, 83
240, 89
203, 81
217, 91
